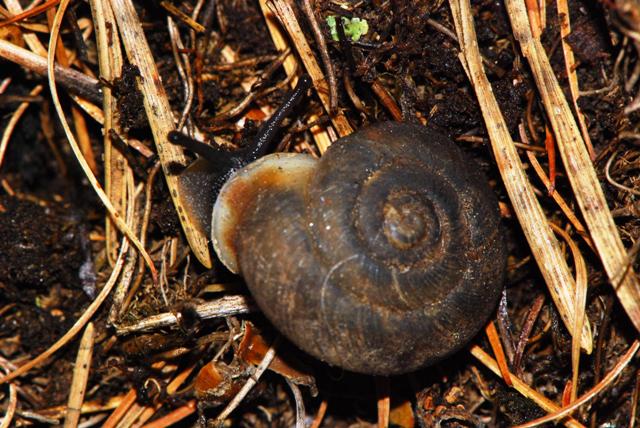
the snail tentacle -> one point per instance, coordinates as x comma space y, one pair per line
224, 162
268, 130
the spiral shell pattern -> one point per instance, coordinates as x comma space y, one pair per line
383, 257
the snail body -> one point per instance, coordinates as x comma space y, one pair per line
382, 257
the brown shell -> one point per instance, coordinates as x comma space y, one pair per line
383, 257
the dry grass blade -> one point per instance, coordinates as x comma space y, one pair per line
279, 39
579, 167
79, 122
498, 351
117, 218
606, 381
572, 75
181, 16
320, 135
121, 410
127, 271
80, 377
160, 119
288, 19
30, 13
522, 387
301, 414
562, 204
581, 300
11, 408
543, 243
110, 63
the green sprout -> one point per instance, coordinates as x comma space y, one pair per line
354, 28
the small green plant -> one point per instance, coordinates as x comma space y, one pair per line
354, 28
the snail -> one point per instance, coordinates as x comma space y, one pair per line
382, 257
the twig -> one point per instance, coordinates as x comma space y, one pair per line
387, 100
257, 91
72, 80
244, 63
149, 410
30, 39
307, 7
223, 307
30, 13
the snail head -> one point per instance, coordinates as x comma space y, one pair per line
202, 180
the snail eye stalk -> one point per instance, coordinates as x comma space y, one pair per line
224, 160
268, 130
219, 158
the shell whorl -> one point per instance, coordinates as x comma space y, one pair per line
381, 258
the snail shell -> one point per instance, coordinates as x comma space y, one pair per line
382, 257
